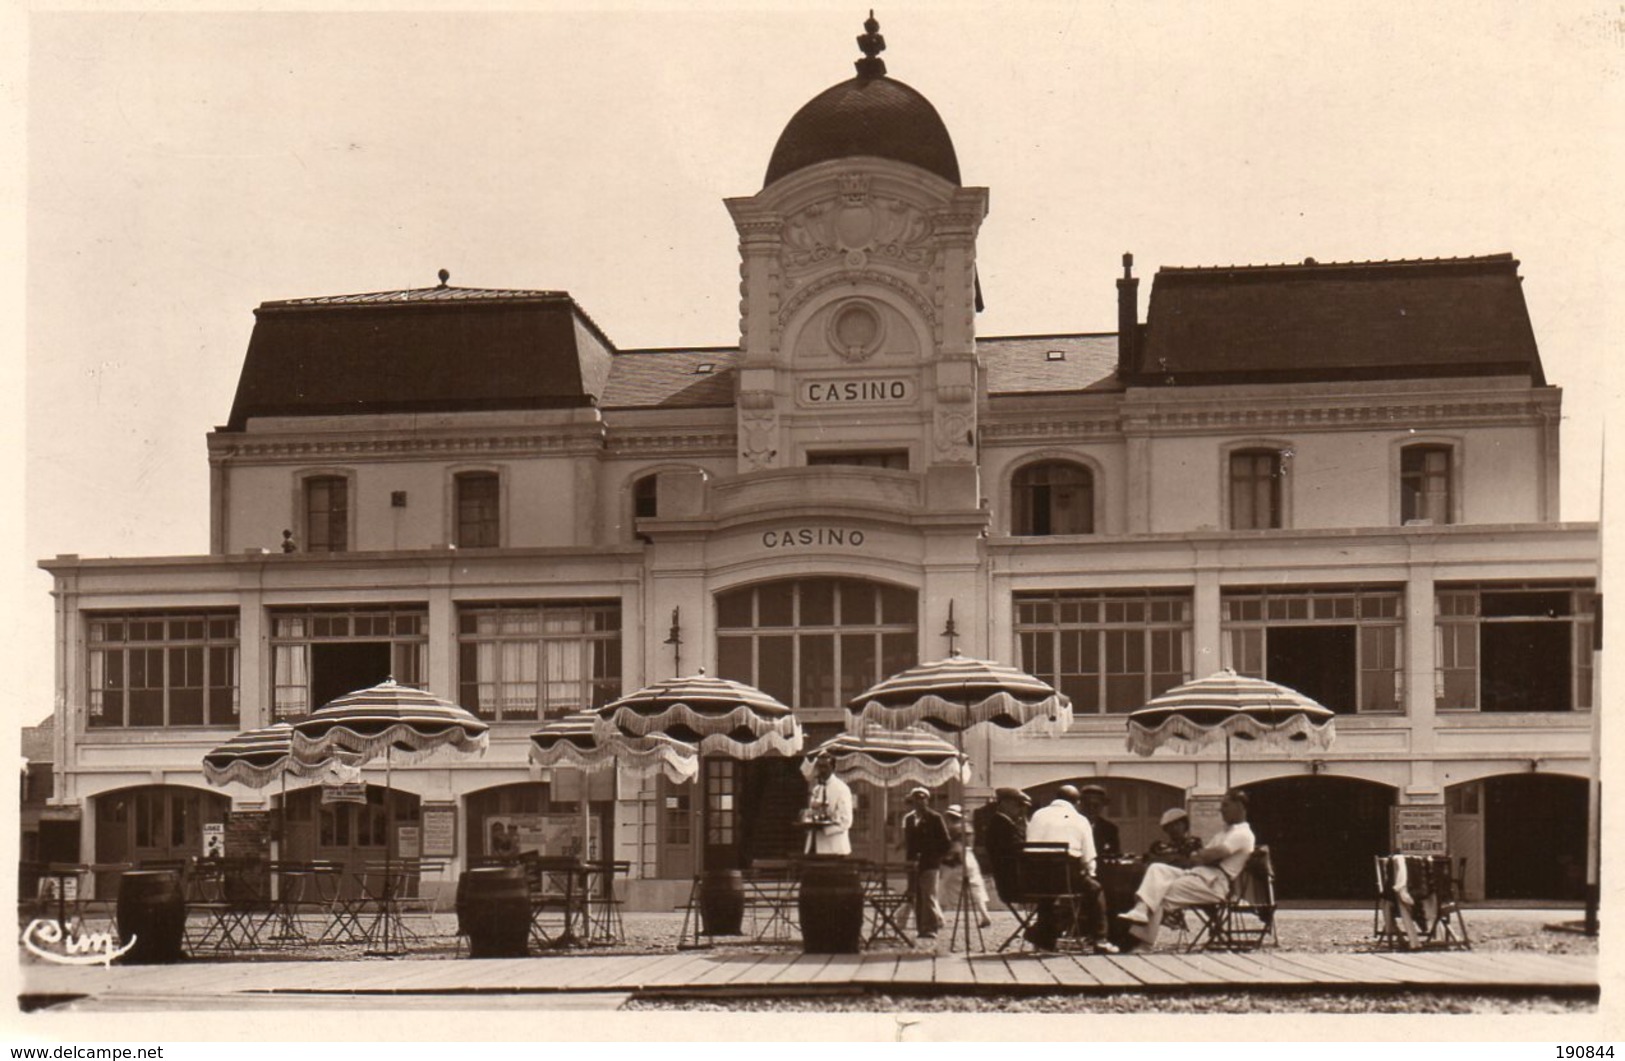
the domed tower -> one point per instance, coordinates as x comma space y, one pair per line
858, 268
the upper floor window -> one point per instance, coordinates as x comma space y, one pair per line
479, 510
816, 642
538, 660
646, 497
1255, 489
1338, 645
160, 669
327, 514
1109, 652
1513, 647
1052, 497
895, 459
319, 654
1424, 484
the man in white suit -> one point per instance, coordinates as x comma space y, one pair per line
829, 812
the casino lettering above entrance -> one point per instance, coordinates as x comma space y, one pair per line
792, 537
855, 391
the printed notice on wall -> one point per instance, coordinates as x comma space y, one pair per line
409, 841
1420, 831
439, 832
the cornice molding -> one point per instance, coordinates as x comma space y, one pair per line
714, 443
1195, 421
511, 445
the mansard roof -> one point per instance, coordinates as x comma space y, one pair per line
1337, 321
436, 349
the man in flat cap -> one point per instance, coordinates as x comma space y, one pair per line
1006, 835
925, 844
829, 811
1177, 846
1093, 805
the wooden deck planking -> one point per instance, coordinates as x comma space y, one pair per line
1181, 968
1143, 970
991, 970
1338, 972
918, 970
798, 970
1214, 969
635, 972
878, 968
1030, 972
840, 969
1070, 970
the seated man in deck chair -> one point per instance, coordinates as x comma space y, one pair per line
1168, 887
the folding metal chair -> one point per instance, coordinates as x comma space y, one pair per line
1048, 877
1245, 919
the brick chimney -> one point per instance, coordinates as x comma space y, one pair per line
1128, 319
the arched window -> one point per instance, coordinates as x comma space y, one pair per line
1255, 489
1052, 497
1424, 484
479, 510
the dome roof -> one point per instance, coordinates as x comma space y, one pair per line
871, 114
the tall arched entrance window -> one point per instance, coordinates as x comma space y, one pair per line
154, 823
813, 643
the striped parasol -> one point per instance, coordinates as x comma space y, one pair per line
957, 693
572, 741
718, 716
887, 758
258, 757
397, 721
1228, 706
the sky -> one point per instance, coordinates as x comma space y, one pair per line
182, 167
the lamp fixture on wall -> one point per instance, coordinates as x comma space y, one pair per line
1317, 766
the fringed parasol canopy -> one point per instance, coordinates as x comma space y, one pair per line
257, 757
890, 758
954, 694
1226, 705
718, 716
572, 741
407, 723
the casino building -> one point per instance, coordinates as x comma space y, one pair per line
1343, 477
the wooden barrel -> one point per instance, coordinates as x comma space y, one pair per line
831, 907
152, 913
493, 910
722, 902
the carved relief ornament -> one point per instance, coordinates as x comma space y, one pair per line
856, 225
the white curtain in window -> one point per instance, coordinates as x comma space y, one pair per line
565, 691
518, 677
292, 680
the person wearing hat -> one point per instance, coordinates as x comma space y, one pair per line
1006, 836
1108, 843
1177, 847
829, 811
925, 845
963, 857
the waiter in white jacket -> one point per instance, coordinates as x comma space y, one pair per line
829, 811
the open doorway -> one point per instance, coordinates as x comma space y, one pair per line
339, 667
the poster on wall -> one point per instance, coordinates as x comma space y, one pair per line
439, 832
551, 835
409, 841
1420, 830
214, 839
1205, 817
248, 834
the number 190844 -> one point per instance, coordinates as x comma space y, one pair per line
1572, 1053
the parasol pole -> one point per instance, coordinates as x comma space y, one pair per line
1227, 760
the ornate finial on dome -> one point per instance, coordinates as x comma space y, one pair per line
871, 44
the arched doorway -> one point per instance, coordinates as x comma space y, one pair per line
155, 822
1135, 806
349, 833
1322, 833
1523, 835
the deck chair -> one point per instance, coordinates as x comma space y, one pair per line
1245, 920
1432, 917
